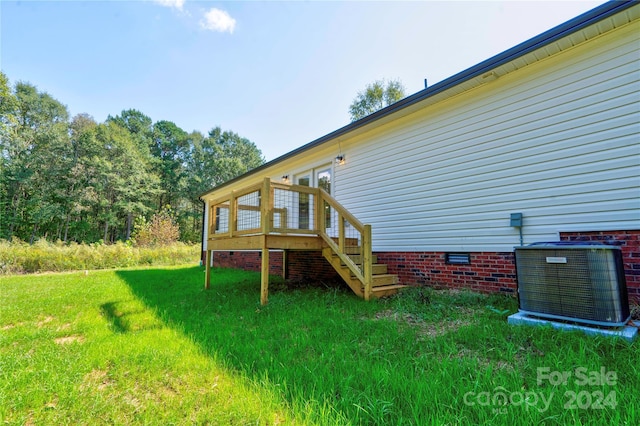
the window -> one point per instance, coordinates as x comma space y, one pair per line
323, 180
303, 203
318, 178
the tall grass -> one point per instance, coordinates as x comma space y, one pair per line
18, 257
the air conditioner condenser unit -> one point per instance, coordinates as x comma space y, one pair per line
574, 281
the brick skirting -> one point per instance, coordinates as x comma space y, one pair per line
629, 242
304, 266
487, 272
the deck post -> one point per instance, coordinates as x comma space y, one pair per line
233, 214
266, 207
207, 274
367, 261
318, 219
285, 264
341, 234
264, 278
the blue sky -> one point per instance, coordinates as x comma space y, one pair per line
278, 73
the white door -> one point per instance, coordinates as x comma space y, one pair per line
320, 177
305, 213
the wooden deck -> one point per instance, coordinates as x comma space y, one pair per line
273, 216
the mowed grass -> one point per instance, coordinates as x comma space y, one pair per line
84, 349
153, 347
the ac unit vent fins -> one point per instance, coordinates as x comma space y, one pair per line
582, 282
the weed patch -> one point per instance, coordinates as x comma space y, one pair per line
21, 258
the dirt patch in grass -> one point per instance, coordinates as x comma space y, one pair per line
96, 379
484, 362
133, 402
64, 327
44, 321
167, 391
528, 347
66, 340
426, 329
51, 405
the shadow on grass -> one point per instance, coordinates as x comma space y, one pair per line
127, 316
410, 360
111, 313
305, 343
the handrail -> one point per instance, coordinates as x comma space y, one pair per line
324, 195
261, 206
364, 273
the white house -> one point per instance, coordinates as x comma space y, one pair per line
549, 129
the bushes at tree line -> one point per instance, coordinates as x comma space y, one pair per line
161, 230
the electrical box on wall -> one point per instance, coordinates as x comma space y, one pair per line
516, 219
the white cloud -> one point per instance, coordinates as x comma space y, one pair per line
171, 3
218, 20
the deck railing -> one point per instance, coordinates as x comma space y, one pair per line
275, 208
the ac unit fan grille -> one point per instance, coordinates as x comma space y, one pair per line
585, 285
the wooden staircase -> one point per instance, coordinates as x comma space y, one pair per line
383, 284
258, 218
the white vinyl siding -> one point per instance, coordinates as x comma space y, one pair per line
558, 140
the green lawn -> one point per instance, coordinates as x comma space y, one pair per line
151, 346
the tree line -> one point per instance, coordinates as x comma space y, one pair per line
74, 179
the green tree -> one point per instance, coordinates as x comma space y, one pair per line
376, 96
139, 125
228, 155
170, 147
7, 127
123, 180
8, 104
84, 181
214, 159
80, 179
35, 150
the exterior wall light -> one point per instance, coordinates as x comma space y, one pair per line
340, 160
285, 179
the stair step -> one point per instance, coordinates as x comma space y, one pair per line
378, 280
378, 268
384, 284
352, 250
387, 290
379, 275
385, 279
389, 287
357, 259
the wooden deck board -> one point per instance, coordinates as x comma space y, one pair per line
273, 241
